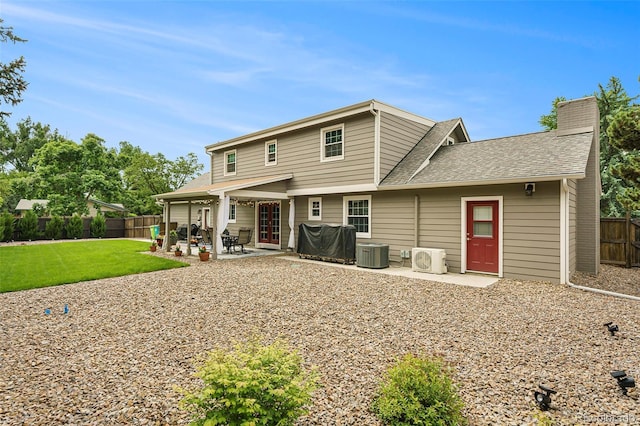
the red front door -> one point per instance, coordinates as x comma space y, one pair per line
269, 223
482, 236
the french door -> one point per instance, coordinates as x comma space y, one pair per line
269, 223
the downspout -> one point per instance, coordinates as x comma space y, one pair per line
416, 220
564, 249
376, 144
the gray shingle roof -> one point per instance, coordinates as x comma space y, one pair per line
422, 151
530, 157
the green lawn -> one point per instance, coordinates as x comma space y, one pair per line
43, 265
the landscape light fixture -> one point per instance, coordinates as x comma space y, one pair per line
543, 399
625, 382
529, 189
612, 328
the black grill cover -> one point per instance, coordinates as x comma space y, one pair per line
330, 241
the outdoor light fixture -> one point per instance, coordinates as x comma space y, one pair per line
543, 399
625, 382
529, 188
612, 328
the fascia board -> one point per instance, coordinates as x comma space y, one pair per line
381, 106
367, 187
480, 182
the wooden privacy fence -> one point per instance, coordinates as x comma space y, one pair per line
620, 241
139, 226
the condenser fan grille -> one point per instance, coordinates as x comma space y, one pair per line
423, 260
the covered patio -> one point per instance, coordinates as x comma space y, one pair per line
218, 199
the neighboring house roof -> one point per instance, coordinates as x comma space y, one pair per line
24, 204
28, 204
213, 190
531, 157
202, 180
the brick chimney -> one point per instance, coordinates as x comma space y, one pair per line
580, 116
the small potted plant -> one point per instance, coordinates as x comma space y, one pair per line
178, 250
173, 237
154, 245
160, 239
203, 253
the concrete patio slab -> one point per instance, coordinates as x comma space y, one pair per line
470, 280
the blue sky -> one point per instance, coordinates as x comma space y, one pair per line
174, 76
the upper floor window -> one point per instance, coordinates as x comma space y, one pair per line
332, 143
357, 212
315, 208
230, 163
271, 153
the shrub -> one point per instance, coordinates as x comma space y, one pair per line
53, 228
418, 391
9, 226
28, 226
98, 226
75, 227
253, 384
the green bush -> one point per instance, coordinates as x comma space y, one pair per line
8, 225
28, 226
98, 226
418, 391
253, 384
53, 228
75, 227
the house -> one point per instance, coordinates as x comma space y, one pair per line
92, 204
524, 206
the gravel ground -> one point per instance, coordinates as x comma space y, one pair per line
127, 342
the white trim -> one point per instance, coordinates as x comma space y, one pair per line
235, 164
257, 243
428, 185
235, 211
463, 230
376, 145
324, 130
266, 152
247, 193
364, 187
310, 208
345, 209
565, 273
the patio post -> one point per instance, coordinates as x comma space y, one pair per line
189, 228
214, 229
166, 243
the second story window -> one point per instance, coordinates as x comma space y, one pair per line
271, 153
332, 143
230, 163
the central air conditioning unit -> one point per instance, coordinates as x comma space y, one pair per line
429, 260
372, 255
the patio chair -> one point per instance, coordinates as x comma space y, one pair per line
244, 237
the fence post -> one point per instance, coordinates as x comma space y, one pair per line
628, 244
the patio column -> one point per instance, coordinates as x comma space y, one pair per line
223, 220
213, 211
189, 228
166, 244
292, 221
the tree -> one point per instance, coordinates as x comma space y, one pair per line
611, 99
624, 133
12, 83
145, 175
17, 147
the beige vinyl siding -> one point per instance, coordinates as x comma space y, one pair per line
572, 224
532, 232
179, 213
299, 153
397, 137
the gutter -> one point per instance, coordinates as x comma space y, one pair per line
564, 260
